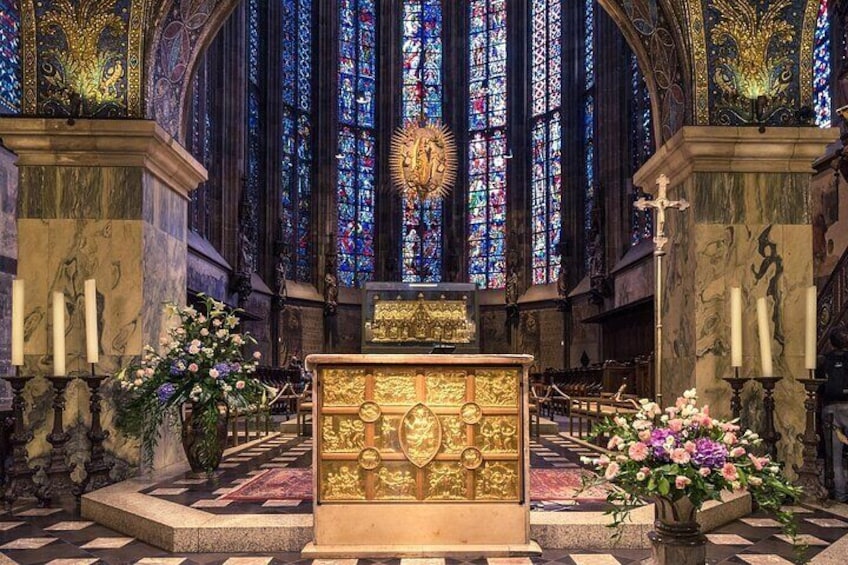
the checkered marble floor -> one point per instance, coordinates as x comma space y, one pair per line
58, 536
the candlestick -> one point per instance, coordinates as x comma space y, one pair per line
17, 322
765, 338
810, 342
58, 334
736, 327
91, 345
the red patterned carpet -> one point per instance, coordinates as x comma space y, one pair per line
296, 484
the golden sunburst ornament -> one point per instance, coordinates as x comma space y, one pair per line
423, 160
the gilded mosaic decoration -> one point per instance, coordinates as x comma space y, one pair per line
753, 52
399, 434
406, 321
85, 60
423, 161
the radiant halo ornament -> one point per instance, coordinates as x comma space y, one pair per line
423, 160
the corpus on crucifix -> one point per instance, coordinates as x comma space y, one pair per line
659, 204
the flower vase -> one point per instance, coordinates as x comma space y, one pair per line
204, 443
677, 537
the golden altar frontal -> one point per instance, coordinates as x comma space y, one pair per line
420, 450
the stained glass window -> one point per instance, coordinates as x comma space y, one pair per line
487, 148
821, 68
200, 144
546, 137
296, 134
421, 100
641, 147
10, 57
356, 141
589, 113
253, 180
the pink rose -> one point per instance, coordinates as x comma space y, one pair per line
239, 385
613, 442
690, 447
729, 438
603, 460
193, 367
680, 456
758, 462
737, 452
675, 425
612, 471
681, 482
638, 451
645, 470
645, 435
704, 471
729, 472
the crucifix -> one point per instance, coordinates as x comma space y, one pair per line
659, 204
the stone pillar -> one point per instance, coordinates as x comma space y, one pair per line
749, 225
102, 199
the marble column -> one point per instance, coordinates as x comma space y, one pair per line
102, 199
748, 226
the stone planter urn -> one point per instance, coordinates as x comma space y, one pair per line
677, 537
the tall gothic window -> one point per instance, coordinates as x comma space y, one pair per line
546, 137
641, 147
253, 173
821, 68
421, 100
487, 149
10, 57
296, 134
199, 141
356, 144
589, 117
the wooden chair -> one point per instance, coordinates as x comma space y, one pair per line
304, 409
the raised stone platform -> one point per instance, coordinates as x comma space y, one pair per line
179, 528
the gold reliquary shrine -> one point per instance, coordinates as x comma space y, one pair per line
415, 317
420, 449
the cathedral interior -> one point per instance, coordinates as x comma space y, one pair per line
583, 182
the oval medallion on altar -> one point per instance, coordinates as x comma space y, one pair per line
420, 434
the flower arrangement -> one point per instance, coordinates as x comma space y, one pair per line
683, 452
202, 365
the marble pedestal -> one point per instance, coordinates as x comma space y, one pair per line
104, 200
748, 226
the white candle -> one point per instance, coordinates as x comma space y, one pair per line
58, 334
18, 322
91, 346
765, 337
736, 327
810, 342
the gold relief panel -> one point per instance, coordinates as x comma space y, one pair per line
445, 481
343, 387
396, 481
445, 388
386, 434
420, 435
342, 481
395, 388
497, 388
453, 434
497, 481
498, 434
342, 434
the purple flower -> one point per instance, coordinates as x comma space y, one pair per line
175, 368
658, 441
165, 392
709, 453
223, 369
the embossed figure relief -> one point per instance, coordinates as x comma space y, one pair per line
405, 321
395, 434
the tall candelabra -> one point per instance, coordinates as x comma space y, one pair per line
18, 473
770, 435
736, 384
809, 472
58, 473
96, 469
